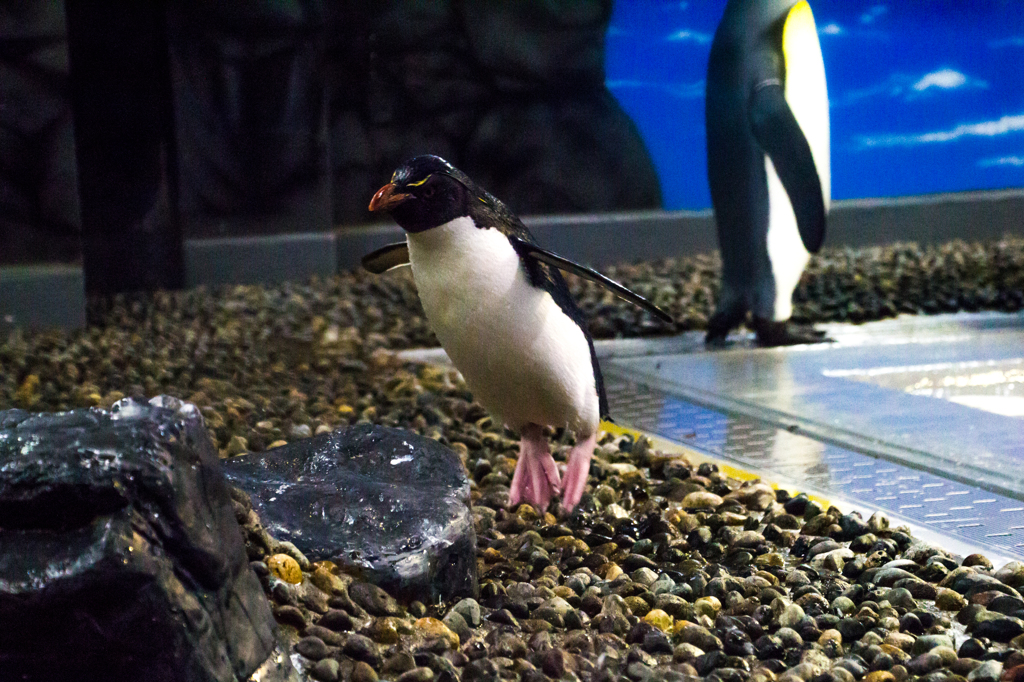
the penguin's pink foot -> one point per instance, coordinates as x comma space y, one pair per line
536, 477
577, 471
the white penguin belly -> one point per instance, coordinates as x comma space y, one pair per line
807, 90
807, 96
522, 357
786, 249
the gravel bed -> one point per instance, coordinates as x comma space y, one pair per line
838, 285
667, 570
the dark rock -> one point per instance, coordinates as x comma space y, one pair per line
769, 646
657, 642
38, 177
863, 543
486, 73
887, 577
918, 588
505, 617
376, 601
290, 615
336, 620
555, 663
552, 131
481, 670
363, 672
968, 583
989, 671
389, 503
507, 645
999, 629
362, 648
554, 45
853, 526
325, 670
796, 505
737, 643
457, 624
120, 543
854, 665
1011, 574
1007, 605
469, 609
312, 648
929, 642
911, 623
329, 637
821, 548
700, 637
977, 560
972, 648
422, 674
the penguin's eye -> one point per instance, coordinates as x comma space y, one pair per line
428, 192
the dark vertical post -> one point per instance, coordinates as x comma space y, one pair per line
121, 98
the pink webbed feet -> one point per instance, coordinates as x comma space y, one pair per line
576, 471
536, 477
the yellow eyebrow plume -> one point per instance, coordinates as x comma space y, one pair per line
417, 184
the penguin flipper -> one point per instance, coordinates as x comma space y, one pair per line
533, 251
777, 131
387, 258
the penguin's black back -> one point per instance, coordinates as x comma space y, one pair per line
746, 51
490, 212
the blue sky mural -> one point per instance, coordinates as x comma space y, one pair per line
924, 97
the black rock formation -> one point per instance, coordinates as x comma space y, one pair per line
389, 503
120, 555
39, 213
512, 93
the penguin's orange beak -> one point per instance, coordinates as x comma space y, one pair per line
386, 198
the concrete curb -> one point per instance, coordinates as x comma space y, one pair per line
596, 239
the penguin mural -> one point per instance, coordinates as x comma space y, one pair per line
503, 312
766, 116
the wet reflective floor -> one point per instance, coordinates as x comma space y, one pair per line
920, 416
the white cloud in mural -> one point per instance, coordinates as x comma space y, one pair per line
686, 35
1001, 126
873, 13
899, 85
1017, 161
944, 79
832, 29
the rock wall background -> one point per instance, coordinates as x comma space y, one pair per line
39, 217
289, 115
512, 92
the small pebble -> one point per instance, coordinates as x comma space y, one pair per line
363, 672
285, 568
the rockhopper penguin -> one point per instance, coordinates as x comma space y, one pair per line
503, 312
766, 114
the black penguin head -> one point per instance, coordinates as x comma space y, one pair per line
425, 192
759, 14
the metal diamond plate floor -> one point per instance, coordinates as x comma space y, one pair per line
821, 417
990, 521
